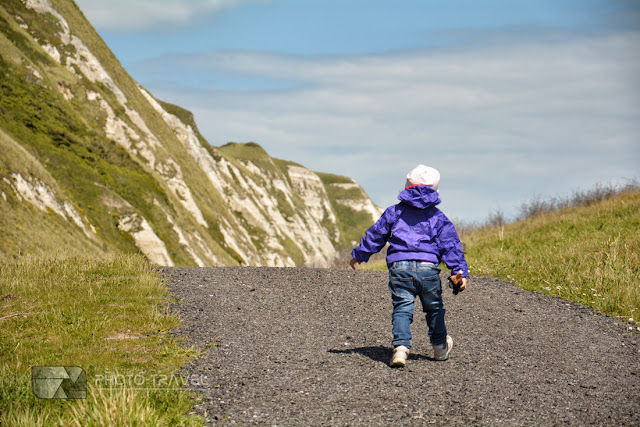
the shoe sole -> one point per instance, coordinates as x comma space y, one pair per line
398, 363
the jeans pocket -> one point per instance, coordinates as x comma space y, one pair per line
400, 284
431, 285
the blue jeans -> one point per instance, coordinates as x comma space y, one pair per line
408, 280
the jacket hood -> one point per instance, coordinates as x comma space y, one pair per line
419, 196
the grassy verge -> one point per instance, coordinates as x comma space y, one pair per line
108, 316
376, 262
589, 254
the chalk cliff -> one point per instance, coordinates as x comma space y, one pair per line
91, 162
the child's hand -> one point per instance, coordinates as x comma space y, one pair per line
353, 263
458, 283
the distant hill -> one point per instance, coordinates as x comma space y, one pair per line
91, 162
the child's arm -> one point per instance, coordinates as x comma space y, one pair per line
451, 250
375, 238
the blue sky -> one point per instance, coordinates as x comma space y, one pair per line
510, 100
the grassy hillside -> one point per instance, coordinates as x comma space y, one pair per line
96, 164
588, 254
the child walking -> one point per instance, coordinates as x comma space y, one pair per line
420, 236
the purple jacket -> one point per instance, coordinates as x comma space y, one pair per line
416, 230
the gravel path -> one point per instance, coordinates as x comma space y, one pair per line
291, 346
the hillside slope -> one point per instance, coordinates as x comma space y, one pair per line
589, 254
91, 162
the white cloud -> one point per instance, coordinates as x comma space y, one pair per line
503, 122
127, 15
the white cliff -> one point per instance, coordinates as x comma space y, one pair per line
146, 239
212, 206
40, 195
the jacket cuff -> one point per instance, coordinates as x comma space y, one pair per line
360, 255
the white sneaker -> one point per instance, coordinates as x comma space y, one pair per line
441, 352
399, 358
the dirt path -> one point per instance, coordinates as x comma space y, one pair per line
311, 346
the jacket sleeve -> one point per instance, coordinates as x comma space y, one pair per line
376, 236
451, 248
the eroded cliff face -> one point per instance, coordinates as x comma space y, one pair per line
132, 173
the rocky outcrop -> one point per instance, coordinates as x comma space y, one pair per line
40, 195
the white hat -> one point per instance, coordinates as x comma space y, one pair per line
423, 175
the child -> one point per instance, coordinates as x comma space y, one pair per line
419, 236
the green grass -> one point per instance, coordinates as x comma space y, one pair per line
108, 316
589, 254
376, 262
